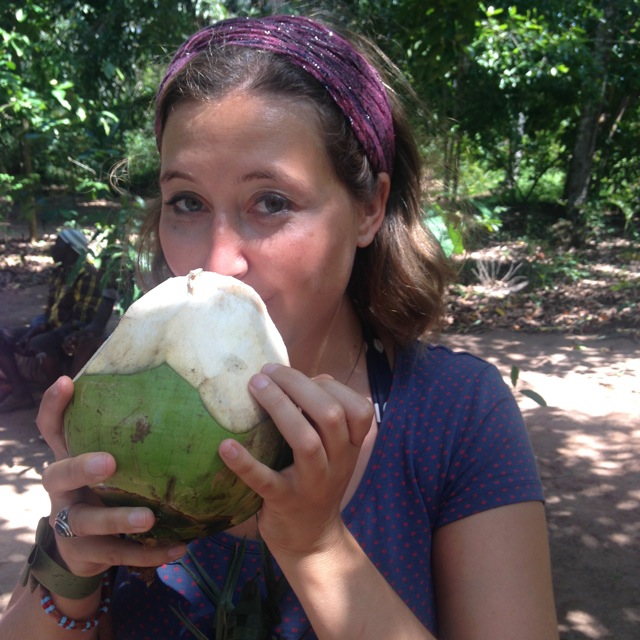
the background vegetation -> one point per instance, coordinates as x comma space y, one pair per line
528, 111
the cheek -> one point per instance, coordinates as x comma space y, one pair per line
312, 273
173, 247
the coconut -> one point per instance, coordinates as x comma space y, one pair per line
165, 389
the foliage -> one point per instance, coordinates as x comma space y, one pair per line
444, 229
252, 616
594, 289
518, 101
112, 247
75, 78
530, 393
117, 257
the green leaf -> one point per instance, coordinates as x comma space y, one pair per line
447, 235
187, 623
202, 579
60, 95
226, 598
536, 397
515, 374
105, 117
19, 51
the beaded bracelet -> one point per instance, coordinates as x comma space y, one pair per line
77, 625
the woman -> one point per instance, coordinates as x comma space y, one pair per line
286, 163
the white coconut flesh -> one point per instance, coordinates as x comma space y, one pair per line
212, 330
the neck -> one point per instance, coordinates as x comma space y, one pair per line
335, 350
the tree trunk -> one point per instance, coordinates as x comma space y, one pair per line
454, 134
29, 208
579, 175
515, 153
576, 189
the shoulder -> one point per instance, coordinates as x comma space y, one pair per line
453, 388
87, 276
423, 362
456, 411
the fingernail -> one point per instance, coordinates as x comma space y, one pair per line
269, 368
55, 388
138, 518
96, 465
228, 450
259, 381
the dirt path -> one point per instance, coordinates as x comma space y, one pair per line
587, 442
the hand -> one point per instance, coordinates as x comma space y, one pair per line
23, 348
70, 343
97, 546
325, 424
78, 339
23, 344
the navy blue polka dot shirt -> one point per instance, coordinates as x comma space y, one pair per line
451, 444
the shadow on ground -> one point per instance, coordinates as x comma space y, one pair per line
591, 474
23, 457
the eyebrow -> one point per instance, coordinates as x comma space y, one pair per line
262, 175
275, 175
173, 174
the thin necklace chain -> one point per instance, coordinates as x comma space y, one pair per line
355, 364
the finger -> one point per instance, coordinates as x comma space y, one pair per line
358, 410
129, 553
50, 415
91, 520
90, 555
290, 416
71, 474
340, 415
257, 476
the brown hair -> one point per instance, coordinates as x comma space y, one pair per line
399, 281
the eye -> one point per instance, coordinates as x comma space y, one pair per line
271, 203
184, 203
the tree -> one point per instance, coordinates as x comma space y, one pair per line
607, 91
30, 111
74, 78
520, 89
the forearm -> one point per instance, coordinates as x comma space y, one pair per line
26, 618
345, 596
102, 315
50, 598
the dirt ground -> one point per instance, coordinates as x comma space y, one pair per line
587, 441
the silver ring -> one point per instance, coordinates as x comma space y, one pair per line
61, 524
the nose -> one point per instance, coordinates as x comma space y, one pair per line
226, 252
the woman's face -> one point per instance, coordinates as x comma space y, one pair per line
248, 191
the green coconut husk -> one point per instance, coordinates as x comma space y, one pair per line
164, 391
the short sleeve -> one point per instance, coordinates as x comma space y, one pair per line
490, 461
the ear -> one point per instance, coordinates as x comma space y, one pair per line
373, 212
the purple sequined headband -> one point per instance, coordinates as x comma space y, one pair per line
352, 82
